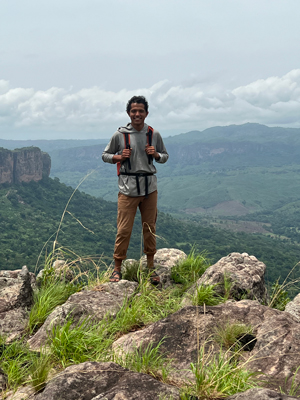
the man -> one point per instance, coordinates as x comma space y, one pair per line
134, 148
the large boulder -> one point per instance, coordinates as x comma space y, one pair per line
244, 273
93, 381
275, 340
164, 260
293, 307
260, 394
106, 299
22, 393
16, 297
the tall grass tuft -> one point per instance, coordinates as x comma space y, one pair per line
206, 295
217, 376
187, 271
227, 334
148, 360
16, 361
46, 299
85, 341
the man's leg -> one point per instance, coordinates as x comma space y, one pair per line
127, 207
148, 208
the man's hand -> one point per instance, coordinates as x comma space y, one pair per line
150, 150
126, 153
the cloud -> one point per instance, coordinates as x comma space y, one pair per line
94, 112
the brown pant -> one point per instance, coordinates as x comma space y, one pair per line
127, 207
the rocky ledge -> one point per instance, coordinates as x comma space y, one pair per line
270, 350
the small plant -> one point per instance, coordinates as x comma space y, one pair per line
294, 387
228, 334
148, 306
187, 271
148, 360
206, 295
46, 299
83, 342
131, 271
16, 361
217, 376
39, 371
227, 286
278, 296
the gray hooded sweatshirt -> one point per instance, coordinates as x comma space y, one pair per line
138, 160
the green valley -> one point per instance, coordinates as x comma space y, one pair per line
31, 213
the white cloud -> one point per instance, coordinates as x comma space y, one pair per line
94, 112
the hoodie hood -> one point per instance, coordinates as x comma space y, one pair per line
129, 128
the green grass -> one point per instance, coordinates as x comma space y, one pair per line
228, 333
217, 376
17, 362
132, 271
40, 371
88, 340
294, 387
149, 306
188, 271
206, 295
148, 360
85, 341
46, 299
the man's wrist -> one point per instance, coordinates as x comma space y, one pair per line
117, 158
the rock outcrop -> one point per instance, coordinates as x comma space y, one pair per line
244, 274
293, 307
23, 165
270, 348
275, 335
16, 296
93, 381
260, 394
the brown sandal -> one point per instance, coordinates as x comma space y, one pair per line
116, 276
154, 277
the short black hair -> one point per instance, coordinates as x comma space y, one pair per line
138, 100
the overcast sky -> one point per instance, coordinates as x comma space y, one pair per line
67, 68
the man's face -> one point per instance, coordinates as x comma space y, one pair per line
137, 114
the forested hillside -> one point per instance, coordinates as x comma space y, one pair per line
31, 213
238, 173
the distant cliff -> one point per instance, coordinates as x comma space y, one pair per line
23, 165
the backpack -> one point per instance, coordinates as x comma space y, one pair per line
126, 135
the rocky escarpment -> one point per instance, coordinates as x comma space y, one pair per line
269, 347
23, 165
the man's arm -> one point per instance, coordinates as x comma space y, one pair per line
161, 150
109, 154
126, 153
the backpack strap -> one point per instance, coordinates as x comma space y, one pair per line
149, 135
127, 146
